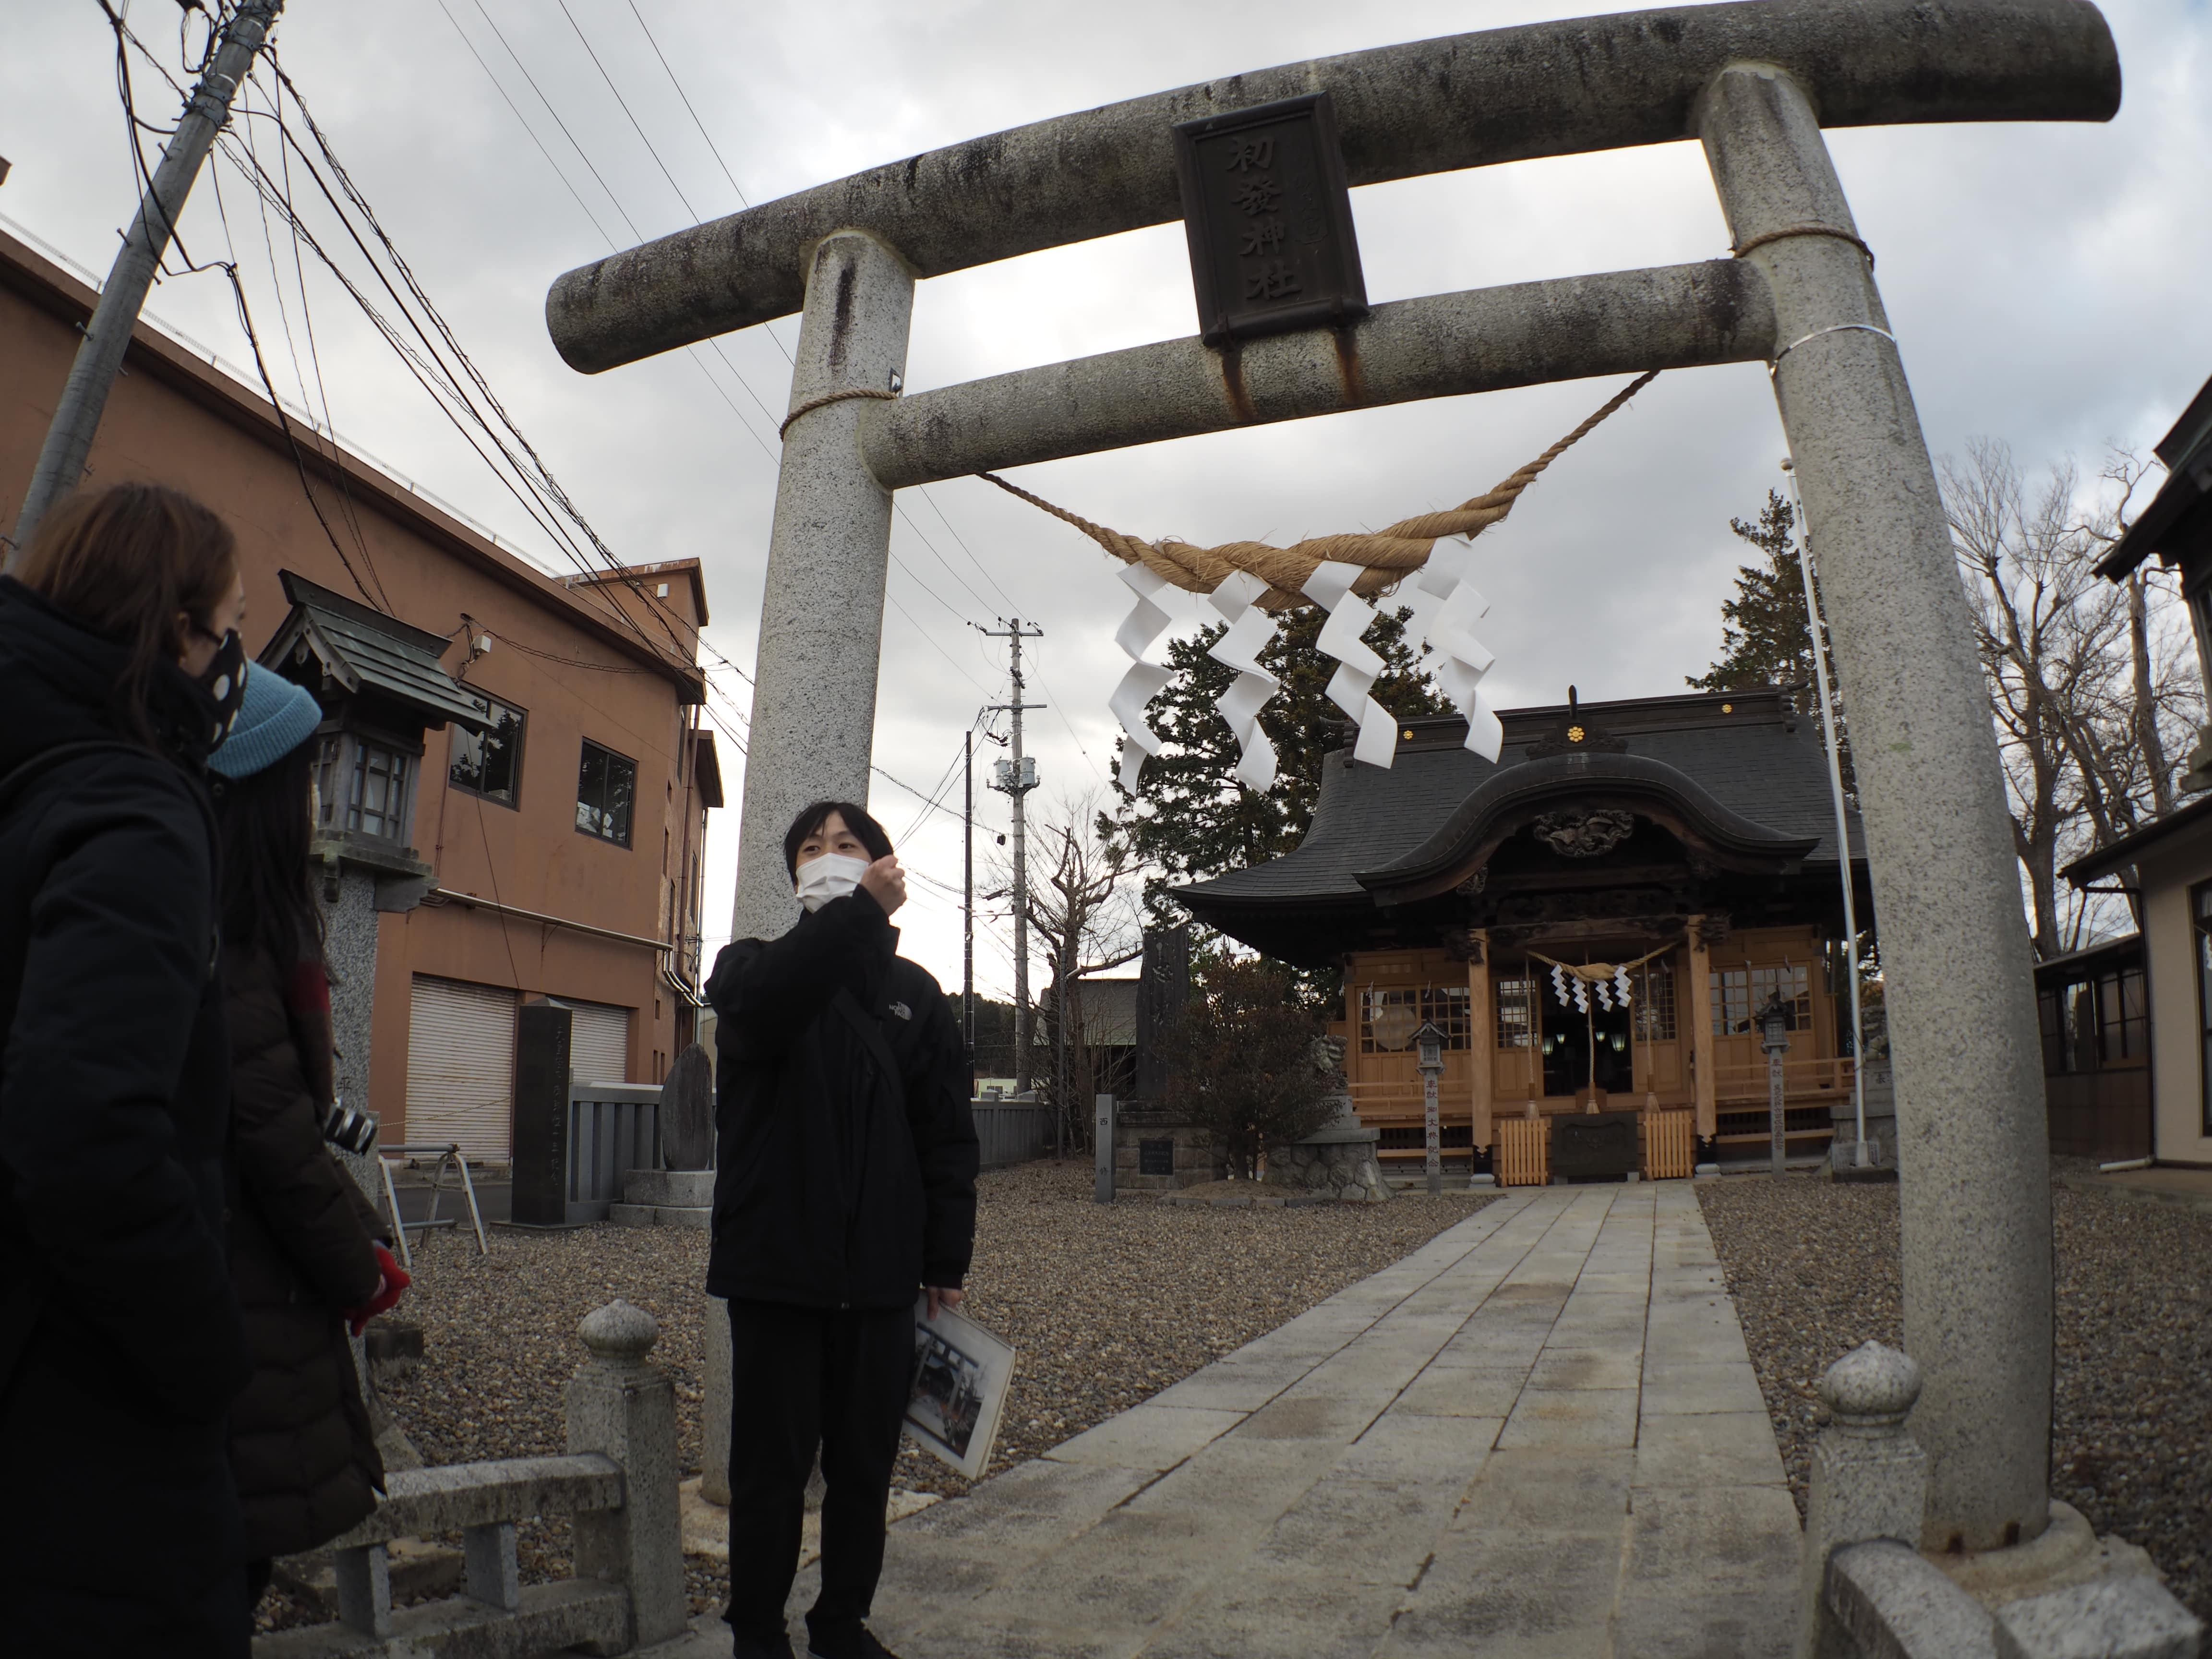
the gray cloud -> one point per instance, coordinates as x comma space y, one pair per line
2044, 282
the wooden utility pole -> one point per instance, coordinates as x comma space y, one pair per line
84, 398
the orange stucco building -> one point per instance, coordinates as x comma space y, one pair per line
557, 852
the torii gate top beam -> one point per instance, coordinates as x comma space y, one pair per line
1424, 106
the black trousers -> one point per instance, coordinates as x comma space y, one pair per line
801, 1377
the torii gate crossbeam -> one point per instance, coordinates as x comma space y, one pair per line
1752, 82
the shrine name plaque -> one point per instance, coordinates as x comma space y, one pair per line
1156, 1157
1268, 215
1587, 1144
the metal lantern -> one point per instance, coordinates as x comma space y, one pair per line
1429, 1049
1429, 1044
1774, 1020
1774, 1038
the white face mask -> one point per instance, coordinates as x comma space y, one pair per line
827, 877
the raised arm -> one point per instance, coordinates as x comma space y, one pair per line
767, 993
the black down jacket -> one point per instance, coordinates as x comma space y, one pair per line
121, 1343
847, 1153
301, 1248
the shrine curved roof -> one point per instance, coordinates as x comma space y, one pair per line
1512, 795
1755, 760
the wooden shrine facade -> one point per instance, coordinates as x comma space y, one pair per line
1688, 839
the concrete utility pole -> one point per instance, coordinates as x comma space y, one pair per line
1016, 777
84, 398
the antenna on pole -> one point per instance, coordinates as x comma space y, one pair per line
1016, 777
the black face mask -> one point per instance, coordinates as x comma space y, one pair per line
225, 680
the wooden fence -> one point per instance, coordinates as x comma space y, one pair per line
1670, 1145
1524, 1151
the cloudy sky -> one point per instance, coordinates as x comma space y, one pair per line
2046, 284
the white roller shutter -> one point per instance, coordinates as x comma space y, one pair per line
599, 1044
460, 1068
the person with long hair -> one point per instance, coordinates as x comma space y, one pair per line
307, 1250
120, 1342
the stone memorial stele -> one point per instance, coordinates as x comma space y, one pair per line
687, 1111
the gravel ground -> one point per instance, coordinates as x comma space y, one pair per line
1814, 1268
1107, 1306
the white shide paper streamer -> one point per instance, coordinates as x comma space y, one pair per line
1144, 679
1249, 629
1352, 687
1446, 609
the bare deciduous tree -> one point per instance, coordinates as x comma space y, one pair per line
2090, 681
1084, 904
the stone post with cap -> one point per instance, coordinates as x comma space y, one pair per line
624, 1407
1869, 1479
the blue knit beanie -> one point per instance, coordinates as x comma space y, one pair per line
276, 717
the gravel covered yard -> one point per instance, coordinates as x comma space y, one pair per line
1107, 1306
1815, 1271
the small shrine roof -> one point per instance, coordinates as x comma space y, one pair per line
364, 650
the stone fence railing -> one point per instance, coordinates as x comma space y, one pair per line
613, 1129
618, 1482
1869, 1593
1011, 1131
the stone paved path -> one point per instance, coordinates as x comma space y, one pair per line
1538, 1435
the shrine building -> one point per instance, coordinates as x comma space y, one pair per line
1687, 842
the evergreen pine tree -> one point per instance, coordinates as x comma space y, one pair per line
1764, 637
1190, 818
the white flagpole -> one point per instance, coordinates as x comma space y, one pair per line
1813, 628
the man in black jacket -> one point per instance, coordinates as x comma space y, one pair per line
846, 1186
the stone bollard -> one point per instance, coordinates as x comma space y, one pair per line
1869, 1479
624, 1407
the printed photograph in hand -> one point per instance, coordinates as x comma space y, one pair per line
961, 1371
948, 1390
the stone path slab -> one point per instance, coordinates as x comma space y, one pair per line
1539, 1434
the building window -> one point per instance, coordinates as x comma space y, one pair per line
1731, 1001
1740, 993
2097, 1021
1445, 1006
2123, 1020
1652, 986
1516, 1012
489, 762
606, 790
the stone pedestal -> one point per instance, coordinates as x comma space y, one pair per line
1339, 1163
666, 1197
1154, 1155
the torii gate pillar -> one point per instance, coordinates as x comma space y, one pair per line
1973, 1144
821, 627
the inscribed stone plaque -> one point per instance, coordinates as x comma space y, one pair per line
687, 1111
1269, 218
1156, 1157
1594, 1144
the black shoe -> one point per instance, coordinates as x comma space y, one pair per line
857, 1643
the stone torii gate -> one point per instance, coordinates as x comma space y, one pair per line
1754, 83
